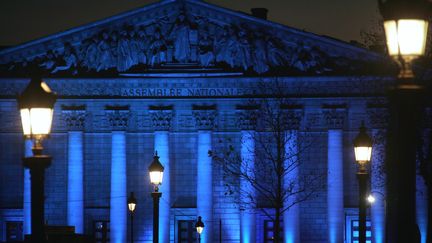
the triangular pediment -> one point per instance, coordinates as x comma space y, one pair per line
187, 35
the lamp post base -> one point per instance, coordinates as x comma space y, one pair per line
156, 196
363, 179
406, 107
37, 165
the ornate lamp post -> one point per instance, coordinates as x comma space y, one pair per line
363, 152
36, 106
406, 26
199, 225
156, 175
131, 206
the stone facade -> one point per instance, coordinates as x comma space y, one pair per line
183, 85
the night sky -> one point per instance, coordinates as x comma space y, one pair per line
24, 20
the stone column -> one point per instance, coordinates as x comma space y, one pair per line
378, 117
205, 121
27, 190
118, 117
247, 123
161, 119
421, 187
291, 217
334, 117
74, 118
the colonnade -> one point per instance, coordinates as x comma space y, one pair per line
334, 118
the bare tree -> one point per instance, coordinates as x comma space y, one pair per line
273, 177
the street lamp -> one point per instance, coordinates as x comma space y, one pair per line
199, 225
36, 105
156, 175
406, 25
131, 206
362, 152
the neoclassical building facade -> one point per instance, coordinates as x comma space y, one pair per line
179, 77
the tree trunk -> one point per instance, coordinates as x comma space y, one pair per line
276, 228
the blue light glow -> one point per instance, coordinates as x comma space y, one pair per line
161, 140
378, 185
247, 212
422, 208
204, 184
291, 217
27, 190
118, 202
335, 206
75, 208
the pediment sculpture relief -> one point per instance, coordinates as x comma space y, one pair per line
182, 39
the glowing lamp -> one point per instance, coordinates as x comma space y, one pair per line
36, 106
199, 225
371, 199
405, 25
362, 146
406, 37
131, 202
156, 171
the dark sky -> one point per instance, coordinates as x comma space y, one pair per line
24, 20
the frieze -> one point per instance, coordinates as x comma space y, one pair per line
224, 87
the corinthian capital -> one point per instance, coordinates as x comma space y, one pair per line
334, 116
117, 117
205, 116
74, 117
161, 117
247, 116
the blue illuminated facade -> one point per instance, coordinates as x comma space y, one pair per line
179, 77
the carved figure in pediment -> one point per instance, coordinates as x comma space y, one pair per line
275, 54
91, 53
225, 46
205, 45
309, 59
243, 57
105, 57
113, 42
180, 37
69, 58
134, 47
143, 45
259, 55
49, 62
158, 48
124, 58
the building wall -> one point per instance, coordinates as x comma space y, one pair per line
183, 163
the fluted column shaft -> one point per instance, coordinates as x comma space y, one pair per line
422, 190
335, 203
161, 144
247, 206
75, 193
118, 202
291, 217
378, 208
27, 190
204, 184
334, 116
